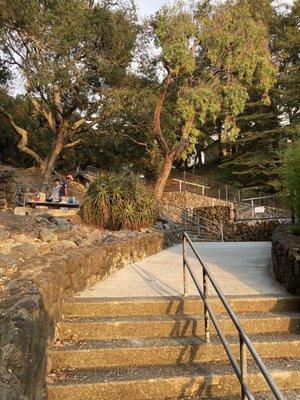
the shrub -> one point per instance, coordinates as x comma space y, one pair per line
291, 179
119, 201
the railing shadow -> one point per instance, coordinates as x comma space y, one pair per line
155, 283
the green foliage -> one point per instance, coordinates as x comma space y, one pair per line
291, 179
70, 53
174, 30
213, 54
119, 201
40, 140
266, 127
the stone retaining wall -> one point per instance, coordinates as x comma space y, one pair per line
220, 213
250, 231
31, 304
8, 182
173, 203
187, 199
286, 258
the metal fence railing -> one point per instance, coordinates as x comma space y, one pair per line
245, 344
192, 222
245, 198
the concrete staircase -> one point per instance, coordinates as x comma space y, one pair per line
153, 348
200, 234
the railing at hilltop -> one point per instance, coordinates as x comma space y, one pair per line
186, 182
207, 187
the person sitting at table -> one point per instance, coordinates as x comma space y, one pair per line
55, 196
64, 188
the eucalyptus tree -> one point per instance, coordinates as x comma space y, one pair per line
69, 54
210, 55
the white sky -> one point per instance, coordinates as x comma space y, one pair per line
148, 7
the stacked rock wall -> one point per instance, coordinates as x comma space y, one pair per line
240, 231
286, 258
173, 202
31, 304
187, 199
219, 213
250, 231
7, 189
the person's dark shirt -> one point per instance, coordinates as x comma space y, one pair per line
63, 187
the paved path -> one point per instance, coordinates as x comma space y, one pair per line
240, 268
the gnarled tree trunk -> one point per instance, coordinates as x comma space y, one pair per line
163, 176
52, 158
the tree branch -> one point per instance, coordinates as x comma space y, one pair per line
137, 142
182, 145
163, 145
47, 114
72, 144
22, 145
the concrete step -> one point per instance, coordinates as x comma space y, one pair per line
174, 305
287, 394
166, 382
165, 351
97, 328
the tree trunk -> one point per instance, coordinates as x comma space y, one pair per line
163, 176
51, 160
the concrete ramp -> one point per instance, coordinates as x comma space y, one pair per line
240, 268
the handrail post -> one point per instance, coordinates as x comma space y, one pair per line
222, 232
184, 265
243, 366
198, 224
206, 314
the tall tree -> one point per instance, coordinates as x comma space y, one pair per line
68, 53
210, 56
265, 130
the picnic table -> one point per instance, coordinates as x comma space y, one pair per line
51, 204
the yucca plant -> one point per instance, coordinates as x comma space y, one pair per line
119, 201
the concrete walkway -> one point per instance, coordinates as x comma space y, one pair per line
240, 268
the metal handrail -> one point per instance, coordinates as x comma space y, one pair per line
259, 198
198, 225
219, 227
244, 341
206, 228
200, 216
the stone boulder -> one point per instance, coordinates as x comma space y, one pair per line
163, 222
24, 251
4, 234
47, 235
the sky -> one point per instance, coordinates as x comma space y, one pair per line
148, 7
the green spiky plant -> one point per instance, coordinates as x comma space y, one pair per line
119, 201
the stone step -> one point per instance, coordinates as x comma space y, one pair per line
174, 305
287, 394
171, 326
205, 380
165, 351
